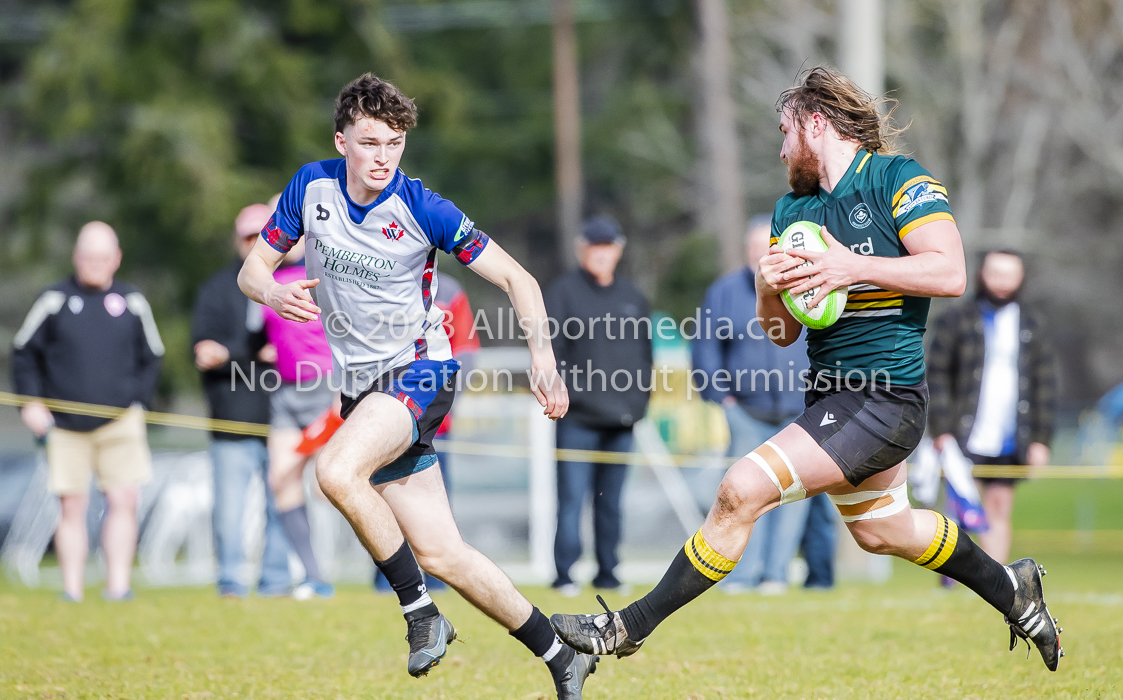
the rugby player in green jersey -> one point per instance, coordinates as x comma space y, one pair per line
893, 243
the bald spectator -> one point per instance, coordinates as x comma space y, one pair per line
227, 333
91, 338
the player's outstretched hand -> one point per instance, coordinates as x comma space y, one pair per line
294, 302
772, 276
550, 390
836, 268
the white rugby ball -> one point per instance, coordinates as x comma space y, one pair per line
805, 235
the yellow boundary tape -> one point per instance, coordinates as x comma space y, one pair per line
174, 420
177, 420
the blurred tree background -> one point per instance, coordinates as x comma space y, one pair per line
165, 117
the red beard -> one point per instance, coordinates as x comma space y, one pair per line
803, 170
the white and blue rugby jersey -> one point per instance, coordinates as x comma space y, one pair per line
375, 264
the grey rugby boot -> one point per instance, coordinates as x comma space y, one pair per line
570, 684
602, 633
1029, 619
428, 641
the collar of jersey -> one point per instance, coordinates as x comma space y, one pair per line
845, 181
358, 212
92, 291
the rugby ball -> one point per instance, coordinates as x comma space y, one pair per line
805, 235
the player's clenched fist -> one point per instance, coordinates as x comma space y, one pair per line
293, 301
773, 272
549, 389
837, 268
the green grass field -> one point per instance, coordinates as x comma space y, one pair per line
906, 639
903, 639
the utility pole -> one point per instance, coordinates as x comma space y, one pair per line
722, 207
861, 43
861, 55
567, 130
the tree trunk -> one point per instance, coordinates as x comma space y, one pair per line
722, 208
567, 130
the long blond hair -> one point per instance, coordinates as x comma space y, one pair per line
854, 113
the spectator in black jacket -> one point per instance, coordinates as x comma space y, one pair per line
603, 346
226, 331
92, 339
992, 381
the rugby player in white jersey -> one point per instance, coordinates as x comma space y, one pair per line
372, 236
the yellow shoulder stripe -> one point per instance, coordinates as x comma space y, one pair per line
910, 183
912, 226
863, 163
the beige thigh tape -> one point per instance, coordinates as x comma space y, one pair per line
867, 505
772, 460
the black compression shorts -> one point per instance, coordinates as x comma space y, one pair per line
868, 430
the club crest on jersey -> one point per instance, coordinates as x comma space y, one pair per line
394, 232
860, 216
115, 304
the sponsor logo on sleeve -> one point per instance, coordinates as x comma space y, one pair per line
918, 195
466, 226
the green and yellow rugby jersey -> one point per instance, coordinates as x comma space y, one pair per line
879, 201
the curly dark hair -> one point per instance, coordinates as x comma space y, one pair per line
372, 97
852, 111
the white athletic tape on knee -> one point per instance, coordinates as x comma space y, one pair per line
772, 460
868, 505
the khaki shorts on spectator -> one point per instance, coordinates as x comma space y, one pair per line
117, 452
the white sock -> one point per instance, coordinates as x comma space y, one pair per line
554, 649
417, 604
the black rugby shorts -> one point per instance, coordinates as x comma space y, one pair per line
868, 430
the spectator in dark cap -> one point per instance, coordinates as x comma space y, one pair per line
603, 348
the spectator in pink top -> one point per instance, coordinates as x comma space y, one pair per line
303, 354
303, 359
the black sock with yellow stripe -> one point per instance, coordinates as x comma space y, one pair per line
954, 555
694, 570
